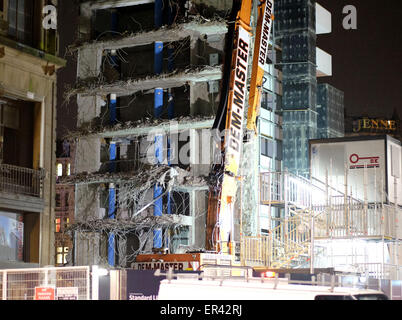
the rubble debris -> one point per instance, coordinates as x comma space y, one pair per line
125, 226
148, 175
96, 127
192, 26
98, 85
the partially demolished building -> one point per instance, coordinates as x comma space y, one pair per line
147, 90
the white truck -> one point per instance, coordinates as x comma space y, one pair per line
195, 287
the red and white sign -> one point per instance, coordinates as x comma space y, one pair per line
44, 293
359, 162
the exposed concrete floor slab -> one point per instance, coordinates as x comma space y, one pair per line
182, 178
107, 4
166, 34
165, 81
143, 127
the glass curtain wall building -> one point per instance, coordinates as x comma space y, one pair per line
309, 109
295, 31
330, 109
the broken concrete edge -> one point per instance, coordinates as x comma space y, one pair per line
182, 178
195, 28
107, 4
127, 225
178, 78
141, 127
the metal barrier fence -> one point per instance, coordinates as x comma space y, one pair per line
21, 180
20, 284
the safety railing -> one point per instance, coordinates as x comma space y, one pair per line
20, 284
282, 247
21, 180
356, 220
285, 187
378, 270
291, 241
336, 215
256, 251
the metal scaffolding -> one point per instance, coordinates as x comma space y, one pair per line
320, 226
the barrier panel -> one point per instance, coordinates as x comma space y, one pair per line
72, 283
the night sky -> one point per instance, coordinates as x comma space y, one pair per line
367, 62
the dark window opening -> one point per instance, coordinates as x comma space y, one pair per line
20, 20
176, 202
58, 200
268, 101
16, 133
267, 147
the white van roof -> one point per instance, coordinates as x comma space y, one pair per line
253, 289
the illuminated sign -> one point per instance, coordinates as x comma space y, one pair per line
367, 124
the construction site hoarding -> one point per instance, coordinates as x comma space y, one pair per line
367, 167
